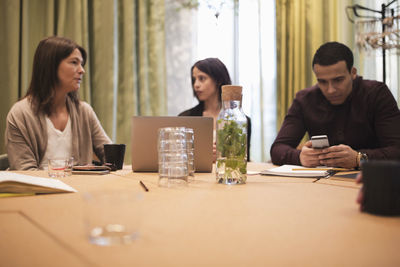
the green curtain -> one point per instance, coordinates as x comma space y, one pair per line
125, 72
302, 26
9, 68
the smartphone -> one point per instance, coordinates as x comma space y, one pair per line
319, 141
90, 169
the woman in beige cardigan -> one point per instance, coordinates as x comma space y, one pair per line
50, 121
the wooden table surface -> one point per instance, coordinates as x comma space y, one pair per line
269, 221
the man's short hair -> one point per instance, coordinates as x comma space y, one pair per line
331, 53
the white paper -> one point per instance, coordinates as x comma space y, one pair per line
7, 177
287, 170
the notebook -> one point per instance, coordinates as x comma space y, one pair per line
296, 171
144, 136
11, 182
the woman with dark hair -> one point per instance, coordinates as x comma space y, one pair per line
51, 121
208, 76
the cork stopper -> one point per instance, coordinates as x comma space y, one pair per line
231, 92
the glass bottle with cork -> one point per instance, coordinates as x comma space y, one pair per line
231, 165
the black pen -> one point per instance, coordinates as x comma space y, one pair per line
144, 187
316, 180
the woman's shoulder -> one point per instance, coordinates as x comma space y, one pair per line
195, 111
21, 103
84, 108
23, 106
84, 105
86, 111
22, 113
186, 113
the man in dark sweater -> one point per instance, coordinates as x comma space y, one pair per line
360, 117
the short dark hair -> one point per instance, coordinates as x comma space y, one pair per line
331, 53
48, 56
214, 68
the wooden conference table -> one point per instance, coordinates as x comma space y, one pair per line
270, 221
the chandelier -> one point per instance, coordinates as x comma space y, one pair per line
215, 6
376, 32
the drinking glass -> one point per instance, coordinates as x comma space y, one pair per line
173, 166
70, 165
57, 167
114, 154
189, 135
112, 218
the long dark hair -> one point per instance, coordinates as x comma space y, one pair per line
48, 56
214, 68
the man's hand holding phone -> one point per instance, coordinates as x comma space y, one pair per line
309, 156
339, 156
317, 152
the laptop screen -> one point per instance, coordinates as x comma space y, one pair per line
144, 136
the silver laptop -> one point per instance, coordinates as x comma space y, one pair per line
144, 136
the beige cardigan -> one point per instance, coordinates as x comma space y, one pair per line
26, 135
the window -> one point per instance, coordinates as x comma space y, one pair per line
370, 62
243, 37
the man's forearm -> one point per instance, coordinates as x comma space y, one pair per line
284, 154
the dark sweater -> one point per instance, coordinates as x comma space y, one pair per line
368, 121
